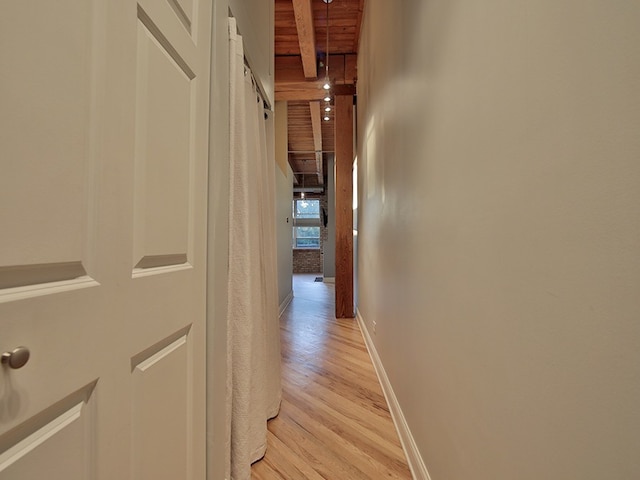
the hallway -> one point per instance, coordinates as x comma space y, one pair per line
334, 421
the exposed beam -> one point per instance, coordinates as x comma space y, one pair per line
306, 36
310, 91
289, 69
350, 69
291, 83
315, 123
319, 168
317, 138
308, 189
344, 205
308, 151
295, 176
356, 37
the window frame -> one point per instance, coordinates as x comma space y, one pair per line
303, 222
296, 237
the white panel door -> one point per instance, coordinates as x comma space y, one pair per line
103, 165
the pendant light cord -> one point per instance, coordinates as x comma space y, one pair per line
326, 63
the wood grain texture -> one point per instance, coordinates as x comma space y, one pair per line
291, 83
300, 34
344, 205
316, 122
334, 422
306, 36
356, 35
344, 19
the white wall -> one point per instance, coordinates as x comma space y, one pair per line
284, 195
255, 23
284, 198
499, 231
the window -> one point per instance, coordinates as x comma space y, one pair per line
306, 237
306, 223
303, 208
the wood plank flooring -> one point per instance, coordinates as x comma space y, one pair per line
334, 422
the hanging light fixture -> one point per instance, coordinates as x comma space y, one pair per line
327, 83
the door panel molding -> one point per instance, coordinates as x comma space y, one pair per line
26, 275
41, 441
161, 409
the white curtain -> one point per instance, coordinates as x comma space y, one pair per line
254, 343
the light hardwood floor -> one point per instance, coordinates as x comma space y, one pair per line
334, 422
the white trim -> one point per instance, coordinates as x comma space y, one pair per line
329, 279
40, 436
416, 464
285, 303
30, 291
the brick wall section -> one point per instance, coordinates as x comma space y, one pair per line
310, 261
307, 261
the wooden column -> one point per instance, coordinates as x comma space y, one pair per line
344, 205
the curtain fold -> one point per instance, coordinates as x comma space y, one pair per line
254, 391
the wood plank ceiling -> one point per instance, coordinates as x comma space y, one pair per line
300, 68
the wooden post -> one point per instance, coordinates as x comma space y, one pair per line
344, 205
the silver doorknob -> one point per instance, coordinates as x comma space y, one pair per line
16, 358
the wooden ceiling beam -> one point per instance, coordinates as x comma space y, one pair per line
350, 69
319, 168
289, 69
356, 37
317, 138
310, 91
306, 36
291, 84
314, 107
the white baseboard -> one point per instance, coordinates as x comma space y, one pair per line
329, 279
416, 464
285, 303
